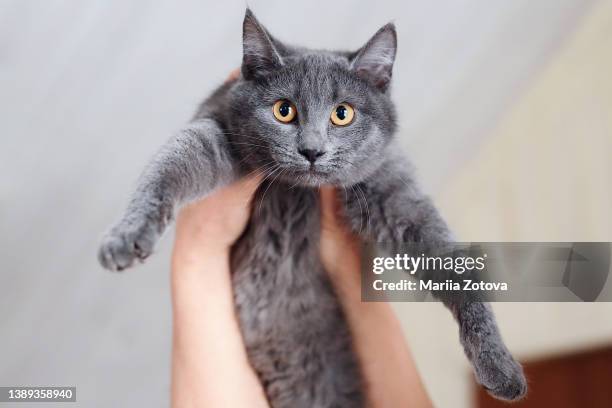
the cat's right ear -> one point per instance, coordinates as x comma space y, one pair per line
259, 54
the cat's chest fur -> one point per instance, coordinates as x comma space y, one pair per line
293, 326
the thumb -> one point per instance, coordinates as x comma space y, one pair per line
332, 212
329, 206
244, 188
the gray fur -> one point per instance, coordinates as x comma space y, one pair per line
296, 334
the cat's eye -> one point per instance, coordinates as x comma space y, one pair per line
284, 111
342, 114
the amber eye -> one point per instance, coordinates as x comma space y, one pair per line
284, 111
342, 114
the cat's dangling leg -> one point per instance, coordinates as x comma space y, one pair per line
188, 166
398, 213
494, 366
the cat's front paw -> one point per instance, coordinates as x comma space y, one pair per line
500, 374
126, 243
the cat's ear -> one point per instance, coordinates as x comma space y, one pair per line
374, 61
260, 55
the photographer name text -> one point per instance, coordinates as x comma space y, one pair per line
417, 265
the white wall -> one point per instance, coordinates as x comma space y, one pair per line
544, 173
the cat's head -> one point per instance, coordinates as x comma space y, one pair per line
313, 117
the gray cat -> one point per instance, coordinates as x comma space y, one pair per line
304, 118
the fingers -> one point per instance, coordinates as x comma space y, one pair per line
332, 212
216, 221
339, 246
234, 74
244, 188
328, 203
238, 193
234, 197
330, 207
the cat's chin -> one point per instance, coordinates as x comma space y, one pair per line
309, 178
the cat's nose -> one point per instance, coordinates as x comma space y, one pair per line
311, 154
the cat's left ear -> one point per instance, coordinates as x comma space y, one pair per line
374, 61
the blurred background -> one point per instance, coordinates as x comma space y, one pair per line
505, 107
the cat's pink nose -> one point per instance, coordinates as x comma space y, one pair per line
311, 154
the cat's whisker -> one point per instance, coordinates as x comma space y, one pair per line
269, 185
245, 158
345, 198
256, 138
365, 200
248, 144
262, 169
269, 171
360, 209
298, 180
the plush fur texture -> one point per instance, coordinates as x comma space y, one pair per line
294, 329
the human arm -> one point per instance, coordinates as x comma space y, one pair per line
209, 362
390, 372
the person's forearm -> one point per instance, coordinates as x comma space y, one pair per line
390, 372
209, 363
210, 367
